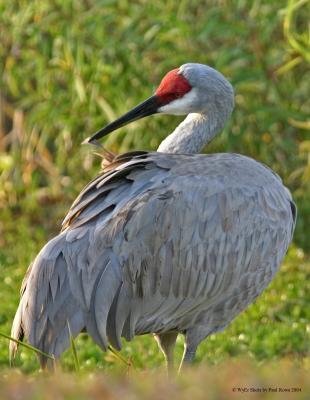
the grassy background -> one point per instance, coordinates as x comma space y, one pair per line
69, 67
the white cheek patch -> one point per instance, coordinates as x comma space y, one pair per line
180, 106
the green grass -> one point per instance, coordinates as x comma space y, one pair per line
69, 67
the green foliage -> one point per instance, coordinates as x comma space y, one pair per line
69, 67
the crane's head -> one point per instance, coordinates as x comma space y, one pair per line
191, 88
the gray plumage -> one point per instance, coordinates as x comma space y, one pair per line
161, 243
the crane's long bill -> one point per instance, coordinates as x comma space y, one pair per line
148, 107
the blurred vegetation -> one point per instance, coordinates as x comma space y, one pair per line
69, 67
281, 380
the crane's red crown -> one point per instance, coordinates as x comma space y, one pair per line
172, 86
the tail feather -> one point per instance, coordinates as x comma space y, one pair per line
56, 295
47, 305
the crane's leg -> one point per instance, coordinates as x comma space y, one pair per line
166, 342
188, 355
193, 337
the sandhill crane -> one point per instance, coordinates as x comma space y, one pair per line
163, 242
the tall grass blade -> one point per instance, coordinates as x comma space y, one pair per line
28, 346
74, 351
120, 357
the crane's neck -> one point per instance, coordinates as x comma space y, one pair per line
193, 134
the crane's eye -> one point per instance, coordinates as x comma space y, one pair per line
170, 96
175, 95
